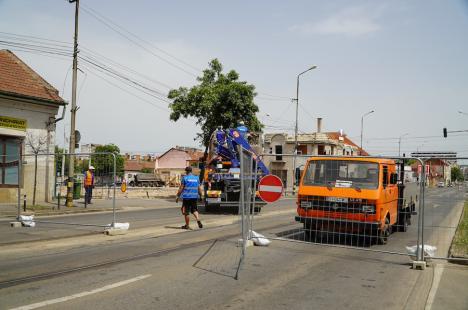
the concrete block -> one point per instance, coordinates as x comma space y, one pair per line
419, 265
240, 243
115, 231
15, 224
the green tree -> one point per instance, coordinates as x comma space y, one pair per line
147, 170
218, 100
104, 163
456, 174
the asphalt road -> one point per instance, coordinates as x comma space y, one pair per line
196, 269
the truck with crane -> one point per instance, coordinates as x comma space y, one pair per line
221, 179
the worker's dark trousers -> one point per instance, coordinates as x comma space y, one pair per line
88, 194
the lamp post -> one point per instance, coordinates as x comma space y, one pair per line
399, 142
362, 127
296, 127
463, 113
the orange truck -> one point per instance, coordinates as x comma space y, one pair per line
364, 196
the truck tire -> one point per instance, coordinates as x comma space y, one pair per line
132, 184
385, 232
402, 225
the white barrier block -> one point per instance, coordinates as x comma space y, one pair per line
117, 229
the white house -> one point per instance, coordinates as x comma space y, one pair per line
28, 109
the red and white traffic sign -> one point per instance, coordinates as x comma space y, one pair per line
270, 188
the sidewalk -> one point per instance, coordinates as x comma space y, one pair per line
449, 288
9, 211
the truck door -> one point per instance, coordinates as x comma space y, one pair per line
390, 193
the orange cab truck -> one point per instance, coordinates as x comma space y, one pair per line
364, 196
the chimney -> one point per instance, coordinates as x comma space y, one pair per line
319, 124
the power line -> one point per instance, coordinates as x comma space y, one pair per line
124, 90
121, 76
144, 41
101, 19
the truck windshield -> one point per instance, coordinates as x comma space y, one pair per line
342, 173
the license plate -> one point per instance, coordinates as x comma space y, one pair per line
337, 199
211, 200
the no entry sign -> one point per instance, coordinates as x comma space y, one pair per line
270, 188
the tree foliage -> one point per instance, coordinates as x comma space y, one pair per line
218, 100
104, 163
456, 174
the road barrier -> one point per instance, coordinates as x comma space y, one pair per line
38, 183
376, 204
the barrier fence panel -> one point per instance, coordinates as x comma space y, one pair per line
39, 184
445, 226
364, 203
245, 202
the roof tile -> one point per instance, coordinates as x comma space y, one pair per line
17, 78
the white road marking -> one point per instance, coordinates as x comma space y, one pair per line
438, 271
270, 188
82, 294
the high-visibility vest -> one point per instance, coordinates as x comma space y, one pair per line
191, 184
89, 178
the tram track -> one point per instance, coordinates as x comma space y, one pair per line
53, 274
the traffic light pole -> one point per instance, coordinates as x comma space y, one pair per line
71, 161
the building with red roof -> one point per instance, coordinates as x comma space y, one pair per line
28, 113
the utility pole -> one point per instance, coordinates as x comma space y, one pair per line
71, 152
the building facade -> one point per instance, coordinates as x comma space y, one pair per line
28, 114
318, 143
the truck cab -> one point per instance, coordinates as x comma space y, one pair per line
352, 195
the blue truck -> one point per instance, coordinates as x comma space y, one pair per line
222, 183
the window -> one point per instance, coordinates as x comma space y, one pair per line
302, 149
342, 173
279, 150
385, 176
10, 150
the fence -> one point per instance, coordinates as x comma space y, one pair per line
371, 204
39, 182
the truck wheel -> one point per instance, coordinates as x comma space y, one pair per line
152, 184
384, 232
132, 184
403, 223
145, 184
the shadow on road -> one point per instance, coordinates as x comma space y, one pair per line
330, 238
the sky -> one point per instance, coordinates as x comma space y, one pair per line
406, 60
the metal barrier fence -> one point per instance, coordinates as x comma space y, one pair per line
37, 183
445, 224
245, 201
373, 204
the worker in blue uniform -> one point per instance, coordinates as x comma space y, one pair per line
189, 190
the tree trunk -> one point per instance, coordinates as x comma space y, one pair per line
35, 179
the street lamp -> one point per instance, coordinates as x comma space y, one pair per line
399, 142
461, 112
362, 127
295, 128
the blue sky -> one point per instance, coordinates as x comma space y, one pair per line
404, 59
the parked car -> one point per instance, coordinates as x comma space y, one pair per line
441, 184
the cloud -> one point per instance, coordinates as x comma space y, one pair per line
350, 22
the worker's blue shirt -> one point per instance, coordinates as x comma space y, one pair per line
190, 183
242, 130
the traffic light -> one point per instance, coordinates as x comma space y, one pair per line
445, 132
